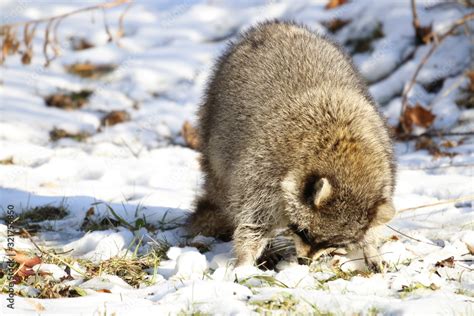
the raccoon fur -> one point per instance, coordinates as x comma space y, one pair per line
291, 138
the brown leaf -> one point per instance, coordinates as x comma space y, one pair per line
36, 305
335, 25
448, 262
80, 43
417, 115
449, 144
22, 258
103, 291
88, 70
26, 57
470, 75
424, 34
115, 117
434, 287
334, 4
470, 247
68, 100
24, 272
90, 212
190, 135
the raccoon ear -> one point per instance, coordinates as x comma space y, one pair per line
322, 190
384, 213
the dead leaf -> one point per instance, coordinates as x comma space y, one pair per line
394, 237
36, 305
470, 75
434, 287
470, 247
68, 100
424, 34
88, 70
25, 261
426, 143
449, 144
334, 4
90, 212
335, 25
23, 258
7, 161
80, 43
190, 135
417, 115
103, 291
448, 262
115, 117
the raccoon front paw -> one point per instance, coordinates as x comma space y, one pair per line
376, 265
373, 259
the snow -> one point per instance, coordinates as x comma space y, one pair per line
141, 169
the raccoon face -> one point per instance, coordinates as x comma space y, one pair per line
325, 213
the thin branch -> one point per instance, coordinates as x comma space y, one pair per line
55, 41
412, 238
55, 256
434, 46
467, 165
46, 43
449, 201
434, 133
360, 259
106, 5
121, 30
106, 26
415, 21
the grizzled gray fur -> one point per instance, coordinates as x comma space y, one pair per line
290, 137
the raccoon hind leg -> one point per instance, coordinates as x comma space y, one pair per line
209, 220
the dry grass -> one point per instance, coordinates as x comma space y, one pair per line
29, 219
131, 267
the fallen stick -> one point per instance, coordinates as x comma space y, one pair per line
450, 201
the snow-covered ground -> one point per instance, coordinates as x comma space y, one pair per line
141, 169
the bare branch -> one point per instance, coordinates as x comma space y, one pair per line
444, 202
106, 5
10, 44
106, 26
435, 45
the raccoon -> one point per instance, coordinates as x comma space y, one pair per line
291, 138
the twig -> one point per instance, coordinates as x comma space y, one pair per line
106, 26
440, 167
435, 133
412, 238
106, 5
52, 255
46, 43
10, 44
435, 45
121, 29
415, 21
449, 201
359, 259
